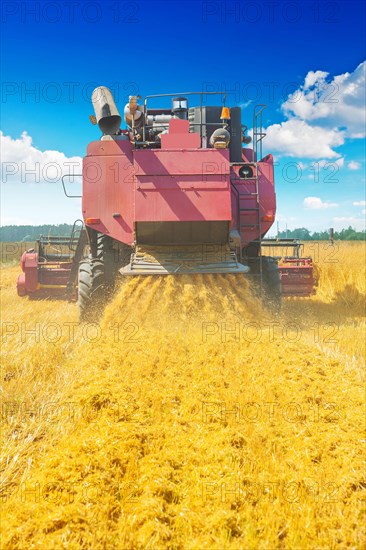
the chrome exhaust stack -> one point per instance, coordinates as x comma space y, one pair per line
106, 112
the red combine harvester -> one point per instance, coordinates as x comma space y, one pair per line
176, 192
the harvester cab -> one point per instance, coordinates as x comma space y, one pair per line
178, 191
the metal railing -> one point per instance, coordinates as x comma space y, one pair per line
182, 94
258, 134
284, 244
64, 186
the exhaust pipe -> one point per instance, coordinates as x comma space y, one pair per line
106, 112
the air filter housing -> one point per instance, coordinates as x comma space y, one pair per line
180, 107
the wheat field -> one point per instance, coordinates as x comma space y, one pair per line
191, 416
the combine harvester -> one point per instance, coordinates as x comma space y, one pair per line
174, 193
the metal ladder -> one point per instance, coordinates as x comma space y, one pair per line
257, 224
258, 136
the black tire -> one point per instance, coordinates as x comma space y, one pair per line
91, 289
271, 280
112, 258
108, 255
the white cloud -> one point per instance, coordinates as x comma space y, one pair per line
332, 102
312, 77
353, 165
315, 203
296, 138
23, 162
31, 188
359, 203
339, 162
363, 211
321, 115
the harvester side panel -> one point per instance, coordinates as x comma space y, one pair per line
108, 188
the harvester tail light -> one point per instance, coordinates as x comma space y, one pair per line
267, 218
92, 221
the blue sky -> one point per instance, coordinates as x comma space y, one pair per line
303, 59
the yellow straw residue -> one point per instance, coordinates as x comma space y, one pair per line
193, 415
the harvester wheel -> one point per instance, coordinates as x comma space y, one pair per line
107, 254
91, 288
112, 258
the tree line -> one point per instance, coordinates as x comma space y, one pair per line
29, 233
349, 234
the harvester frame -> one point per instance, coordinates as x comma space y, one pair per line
182, 202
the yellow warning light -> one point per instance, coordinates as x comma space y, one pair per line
92, 119
225, 113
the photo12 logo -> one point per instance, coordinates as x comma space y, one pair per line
71, 12
269, 91
271, 12
56, 92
